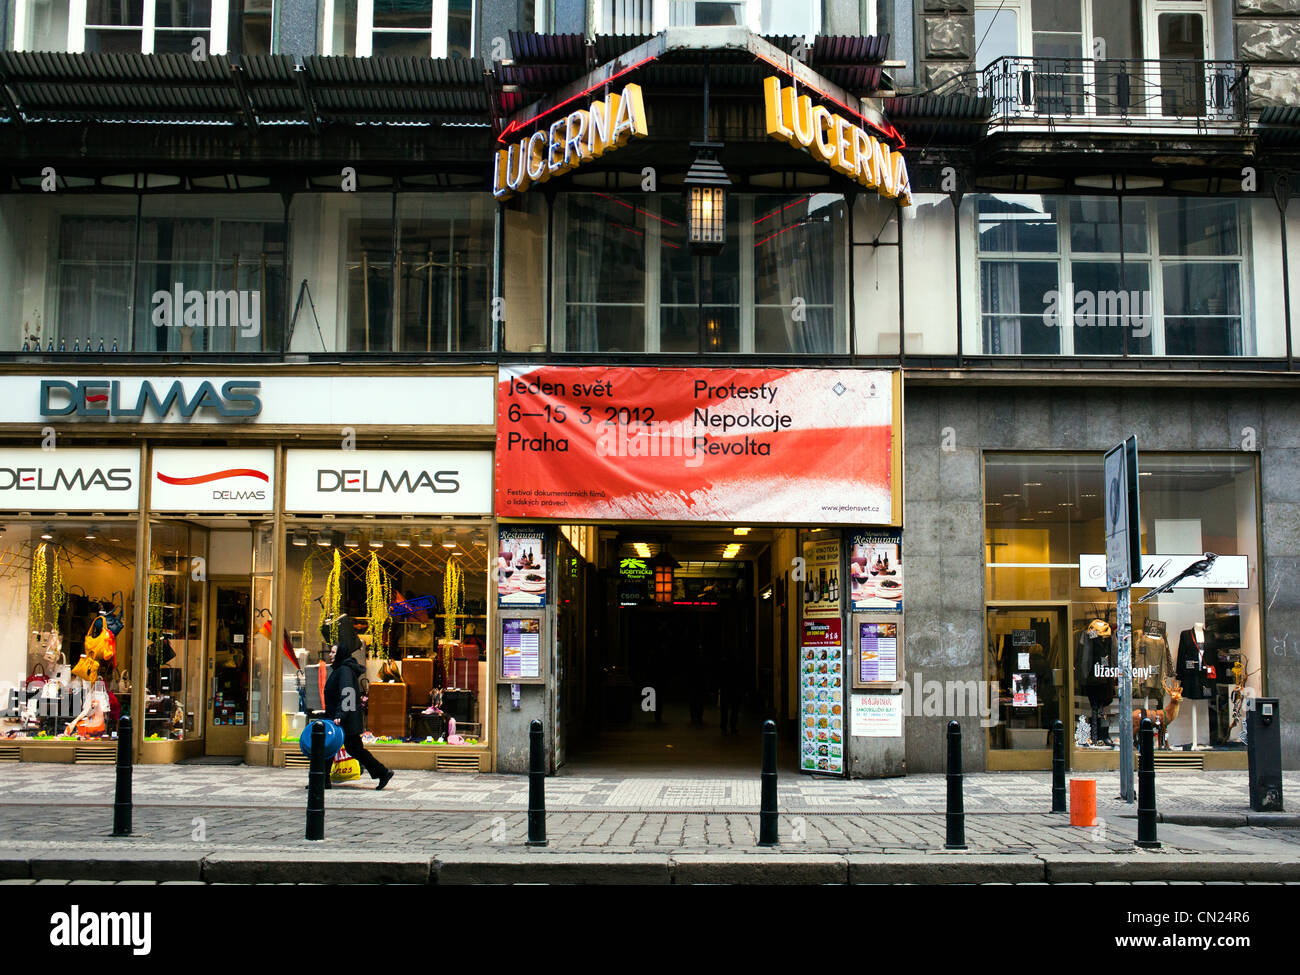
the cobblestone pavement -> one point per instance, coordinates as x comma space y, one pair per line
199, 808
989, 792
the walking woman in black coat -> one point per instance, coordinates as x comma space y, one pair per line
343, 700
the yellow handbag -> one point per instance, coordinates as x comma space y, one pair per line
87, 668
100, 642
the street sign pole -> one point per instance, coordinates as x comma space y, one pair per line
1123, 567
1124, 634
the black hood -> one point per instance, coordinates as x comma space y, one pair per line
349, 661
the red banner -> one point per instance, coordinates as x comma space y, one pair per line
795, 446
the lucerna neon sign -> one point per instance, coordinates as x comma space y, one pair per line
568, 142
843, 145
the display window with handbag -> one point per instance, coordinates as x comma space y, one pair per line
71, 578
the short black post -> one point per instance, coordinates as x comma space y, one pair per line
1058, 767
956, 833
768, 833
1147, 787
122, 796
316, 784
536, 785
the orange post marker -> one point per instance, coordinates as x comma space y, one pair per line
1083, 802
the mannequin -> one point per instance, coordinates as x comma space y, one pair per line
1151, 652
1196, 662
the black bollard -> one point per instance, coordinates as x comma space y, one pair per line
768, 834
536, 785
1147, 787
316, 784
956, 833
122, 797
1058, 767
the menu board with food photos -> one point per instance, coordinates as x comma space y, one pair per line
821, 697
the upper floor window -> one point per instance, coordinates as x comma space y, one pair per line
388, 28
626, 280
1105, 276
769, 17
121, 26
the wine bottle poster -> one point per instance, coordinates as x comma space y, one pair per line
876, 570
521, 568
819, 590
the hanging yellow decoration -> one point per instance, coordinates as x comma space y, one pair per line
378, 596
58, 595
304, 589
453, 591
333, 597
36, 595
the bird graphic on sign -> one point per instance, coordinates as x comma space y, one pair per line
1197, 570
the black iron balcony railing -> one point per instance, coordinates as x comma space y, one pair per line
1079, 92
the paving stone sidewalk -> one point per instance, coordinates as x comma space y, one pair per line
197, 809
985, 793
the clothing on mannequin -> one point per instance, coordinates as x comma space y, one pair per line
1151, 652
1197, 662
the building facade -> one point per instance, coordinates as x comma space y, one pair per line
605, 363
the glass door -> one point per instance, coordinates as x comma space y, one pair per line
231, 636
1180, 40
1029, 661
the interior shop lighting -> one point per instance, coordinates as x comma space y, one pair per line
377, 538
404, 538
353, 538
449, 538
741, 531
300, 538
731, 551
92, 533
47, 533
480, 541
426, 539
325, 539
642, 549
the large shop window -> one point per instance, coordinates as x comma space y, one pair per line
1051, 646
121, 26
767, 17
152, 274
407, 272
66, 628
416, 594
627, 281
1101, 276
398, 28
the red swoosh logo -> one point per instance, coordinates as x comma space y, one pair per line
214, 476
97, 398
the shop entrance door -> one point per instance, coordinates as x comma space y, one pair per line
230, 642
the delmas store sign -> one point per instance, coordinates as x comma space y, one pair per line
838, 142
569, 142
314, 401
105, 398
